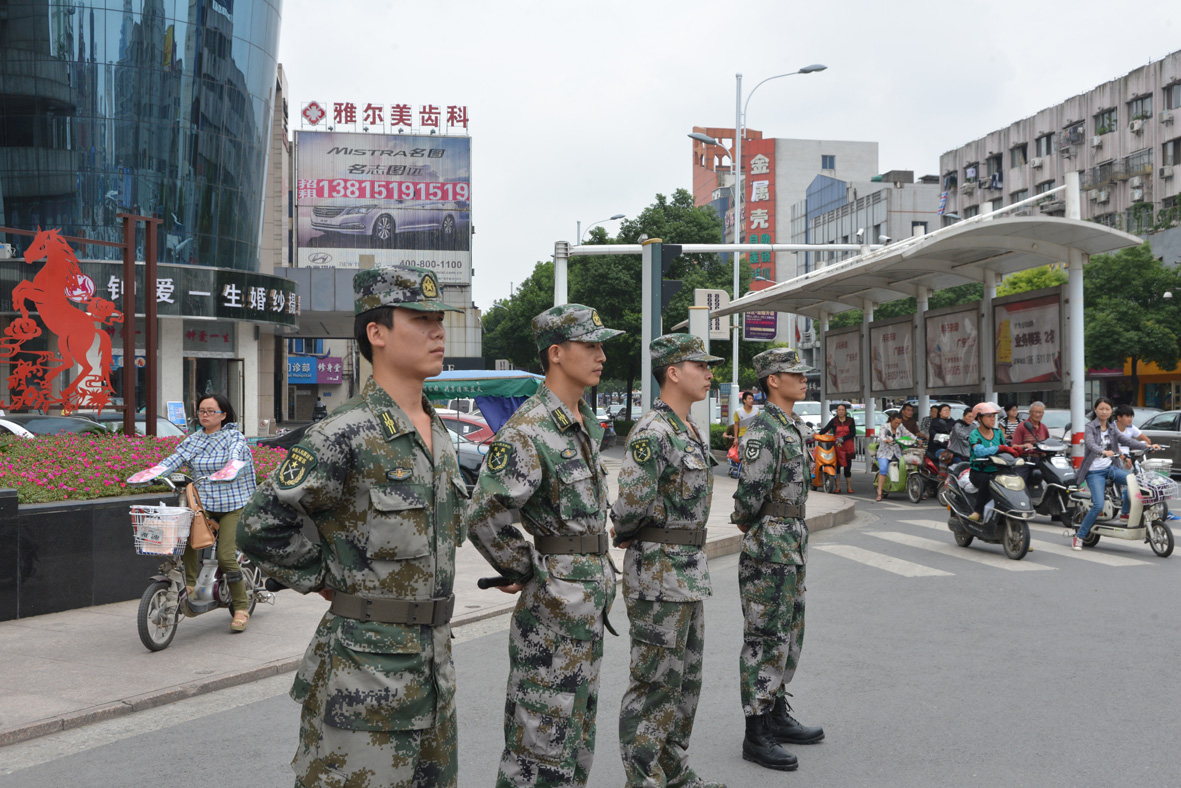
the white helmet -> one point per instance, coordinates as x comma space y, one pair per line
985, 408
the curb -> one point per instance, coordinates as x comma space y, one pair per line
716, 548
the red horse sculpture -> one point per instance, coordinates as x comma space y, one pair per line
75, 329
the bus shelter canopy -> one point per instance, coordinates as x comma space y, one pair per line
950, 256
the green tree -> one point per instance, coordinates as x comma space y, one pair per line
1031, 279
1127, 316
950, 296
508, 325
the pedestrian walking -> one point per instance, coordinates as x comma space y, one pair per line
379, 482
665, 489
769, 508
544, 468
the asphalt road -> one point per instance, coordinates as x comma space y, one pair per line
927, 664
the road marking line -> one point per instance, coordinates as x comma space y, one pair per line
1051, 547
988, 559
880, 561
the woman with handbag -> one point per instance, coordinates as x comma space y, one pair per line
218, 448
844, 429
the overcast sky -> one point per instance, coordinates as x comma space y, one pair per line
580, 110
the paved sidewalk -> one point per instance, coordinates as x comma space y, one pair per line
65, 670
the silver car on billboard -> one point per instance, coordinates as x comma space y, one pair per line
401, 224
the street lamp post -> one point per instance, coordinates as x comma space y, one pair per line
736, 158
578, 235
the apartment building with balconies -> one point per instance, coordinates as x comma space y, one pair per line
1123, 136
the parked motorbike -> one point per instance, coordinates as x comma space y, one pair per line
1149, 489
1051, 479
164, 531
824, 463
928, 474
1005, 517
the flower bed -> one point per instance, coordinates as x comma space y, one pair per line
79, 467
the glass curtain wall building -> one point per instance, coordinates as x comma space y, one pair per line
156, 107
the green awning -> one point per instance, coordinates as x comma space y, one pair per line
482, 383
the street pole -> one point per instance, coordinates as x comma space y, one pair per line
735, 322
561, 260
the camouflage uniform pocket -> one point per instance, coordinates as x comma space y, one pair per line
693, 476
783, 542
398, 525
574, 593
576, 492
655, 639
380, 679
542, 721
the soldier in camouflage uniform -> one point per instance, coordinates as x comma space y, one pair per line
769, 509
665, 488
379, 482
544, 469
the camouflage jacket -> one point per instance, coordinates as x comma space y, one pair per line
665, 482
545, 469
774, 470
389, 517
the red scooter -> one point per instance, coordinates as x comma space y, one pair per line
925, 479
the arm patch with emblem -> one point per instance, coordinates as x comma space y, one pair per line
641, 450
498, 456
753, 447
299, 461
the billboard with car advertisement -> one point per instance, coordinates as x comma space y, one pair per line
384, 199
1028, 340
842, 362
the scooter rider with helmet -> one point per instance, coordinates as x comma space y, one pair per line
985, 441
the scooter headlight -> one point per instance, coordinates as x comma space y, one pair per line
1010, 482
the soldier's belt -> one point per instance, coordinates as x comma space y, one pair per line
593, 544
773, 509
434, 612
695, 537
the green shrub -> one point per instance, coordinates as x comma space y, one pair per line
716, 441
623, 428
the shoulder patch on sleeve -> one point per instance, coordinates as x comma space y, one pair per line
296, 466
753, 448
498, 456
641, 450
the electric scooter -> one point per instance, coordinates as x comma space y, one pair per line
1005, 518
824, 467
1148, 490
924, 480
1051, 479
898, 470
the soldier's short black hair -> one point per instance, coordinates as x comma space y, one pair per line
660, 373
763, 386
383, 316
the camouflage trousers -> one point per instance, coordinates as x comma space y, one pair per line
376, 759
656, 716
773, 630
550, 708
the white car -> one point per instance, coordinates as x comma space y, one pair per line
11, 428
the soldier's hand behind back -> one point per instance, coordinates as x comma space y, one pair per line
511, 589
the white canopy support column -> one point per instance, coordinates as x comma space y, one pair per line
822, 332
988, 336
867, 378
920, 358
1078, 361
561, 264
699, 327
645, 324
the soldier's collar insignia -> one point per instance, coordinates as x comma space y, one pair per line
295, 468
675, 420
498, 456
561, 419
568, 453
753, 448
782, 417
389, 425
641, 450
398, 474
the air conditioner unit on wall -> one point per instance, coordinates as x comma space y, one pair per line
1166, 171
1166, 116
1137, 126
1104, 196
1096, 141
1136, 182
1036, 162
1137, 195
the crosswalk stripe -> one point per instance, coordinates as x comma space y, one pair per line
1094, 557
880, 561
978, 556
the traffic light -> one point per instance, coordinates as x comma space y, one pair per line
668, 287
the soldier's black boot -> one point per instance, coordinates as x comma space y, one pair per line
761, 748
786, 728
